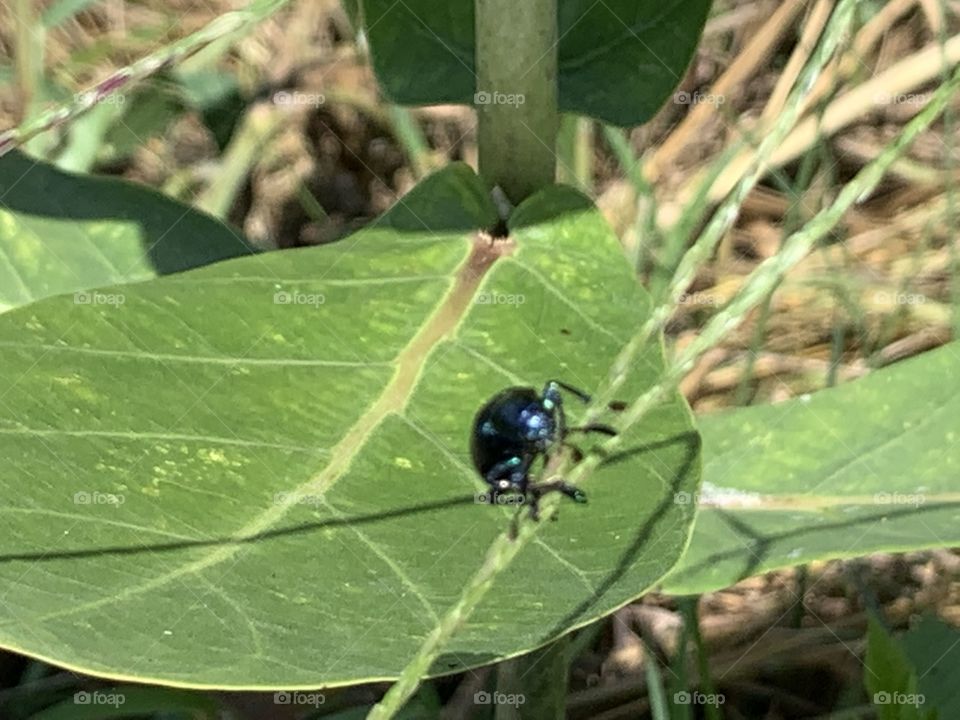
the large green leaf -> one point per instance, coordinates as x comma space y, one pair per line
66, 233
271, 452
619, 60
871, 466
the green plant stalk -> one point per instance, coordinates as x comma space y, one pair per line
619, 143
256, 129
411, 138
696, 210
583, 153
655, 691
516, 97
566, 150
646, 233
680, 680
165, 57
311, 205
727, 213
575, 152
744, 392
691, 616
837, 332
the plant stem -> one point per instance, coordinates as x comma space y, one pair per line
691, 616
647, 237
655, 690
256, 129
516, 97
575, 152
411, 139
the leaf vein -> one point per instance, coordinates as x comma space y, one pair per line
197, 359
150, 436
566, 301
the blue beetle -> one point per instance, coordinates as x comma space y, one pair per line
513, 429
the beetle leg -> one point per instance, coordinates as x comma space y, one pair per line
540, 489
502, 470
571, 491
576, 452
520, 477
535, 508
510, 474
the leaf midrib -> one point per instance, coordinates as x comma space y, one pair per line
444, 321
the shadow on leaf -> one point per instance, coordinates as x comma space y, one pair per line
691, 441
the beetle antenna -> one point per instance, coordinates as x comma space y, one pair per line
571, 389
